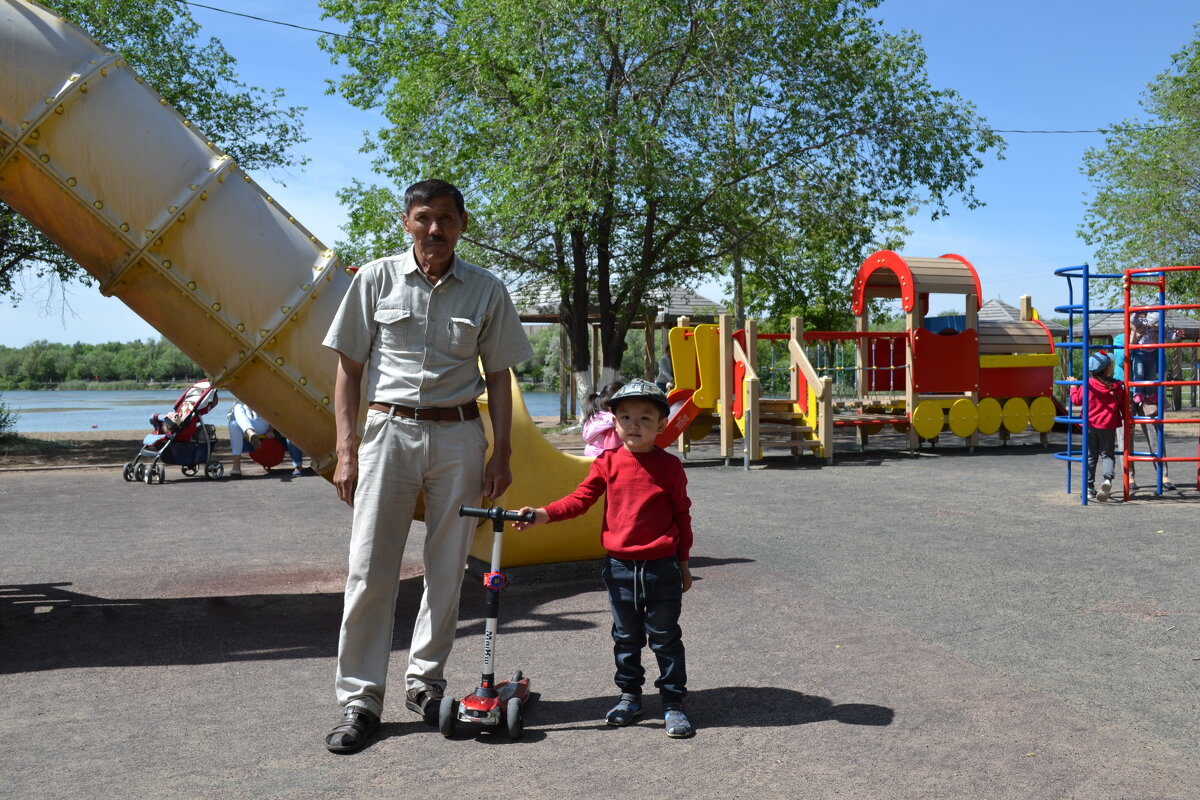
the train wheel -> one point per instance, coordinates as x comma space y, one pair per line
1016, 414
928, 419
990, 415
1041, 414
964, 419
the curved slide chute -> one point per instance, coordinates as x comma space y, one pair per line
170, 225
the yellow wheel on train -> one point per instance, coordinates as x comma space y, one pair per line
928, 419
1016, 414
1041, 414
963, 417
873, 428
990, 415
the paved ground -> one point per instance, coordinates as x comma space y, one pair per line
935, 626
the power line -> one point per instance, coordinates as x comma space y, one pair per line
277, 22
373, 41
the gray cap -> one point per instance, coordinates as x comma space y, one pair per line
642, 389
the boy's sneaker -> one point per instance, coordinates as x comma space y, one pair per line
1104, 491
677, 724
1091, 493
627, 709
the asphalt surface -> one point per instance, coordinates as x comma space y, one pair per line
944, 625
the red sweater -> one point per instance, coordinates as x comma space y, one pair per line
647, 513
1106, 402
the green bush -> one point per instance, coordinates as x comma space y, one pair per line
8, 420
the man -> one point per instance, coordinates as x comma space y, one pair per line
417, 325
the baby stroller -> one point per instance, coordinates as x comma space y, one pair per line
180, 437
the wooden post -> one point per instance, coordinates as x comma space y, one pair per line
751, 397
796, 332
651, 358
861, 384
1026, 303
725, 403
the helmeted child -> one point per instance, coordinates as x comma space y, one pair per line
647, 533
1105, 411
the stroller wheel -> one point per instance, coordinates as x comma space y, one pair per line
127, 473
159, 473
139, 472
214, 470
189, 470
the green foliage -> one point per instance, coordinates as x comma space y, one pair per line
8, 420
1146, 211
41, 364
615, 151
542, 369
161, 41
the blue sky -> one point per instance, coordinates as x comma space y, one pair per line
1049, 65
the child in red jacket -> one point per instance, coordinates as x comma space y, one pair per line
1106, 408
647, 532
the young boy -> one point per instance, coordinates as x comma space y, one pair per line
647, 532
1106, 404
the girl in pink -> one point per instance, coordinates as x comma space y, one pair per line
1105, 411
599, 432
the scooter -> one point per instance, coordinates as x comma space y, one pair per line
492, 705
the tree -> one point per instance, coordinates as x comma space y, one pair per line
160, 40
1146, 209
617, 150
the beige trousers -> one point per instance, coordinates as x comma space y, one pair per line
397, 459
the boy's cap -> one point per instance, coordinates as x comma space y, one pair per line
643, 390
1098, 362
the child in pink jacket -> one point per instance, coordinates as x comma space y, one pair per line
1106, 409
599, 432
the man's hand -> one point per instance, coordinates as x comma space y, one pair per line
497, 476
345, 477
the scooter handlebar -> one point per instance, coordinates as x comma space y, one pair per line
495, 513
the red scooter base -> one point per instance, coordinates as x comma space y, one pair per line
506, 708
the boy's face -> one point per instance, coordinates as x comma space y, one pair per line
638, 423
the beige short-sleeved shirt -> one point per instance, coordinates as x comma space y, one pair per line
420, 342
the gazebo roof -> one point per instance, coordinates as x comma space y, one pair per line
1111, 323
539, 302
1000, 311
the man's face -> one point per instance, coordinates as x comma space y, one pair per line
639, 422
435, 229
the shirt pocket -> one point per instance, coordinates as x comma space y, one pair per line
393, 324
463, 337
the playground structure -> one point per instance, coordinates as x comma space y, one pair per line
1152, 424
167, 223
990, 377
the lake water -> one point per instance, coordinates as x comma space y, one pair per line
67, 412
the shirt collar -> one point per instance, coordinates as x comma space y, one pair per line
409, 264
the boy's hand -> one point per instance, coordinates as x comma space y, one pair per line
687, 575
540, 517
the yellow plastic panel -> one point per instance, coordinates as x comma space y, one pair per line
963, 417
990, 415
1016, 414
1041, 414
708, 358
928, 419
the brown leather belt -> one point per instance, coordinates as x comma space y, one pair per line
431, 413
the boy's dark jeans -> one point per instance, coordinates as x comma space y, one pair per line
646, 598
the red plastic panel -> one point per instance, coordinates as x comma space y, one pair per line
944, 364
1016, 381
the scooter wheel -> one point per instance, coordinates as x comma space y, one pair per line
514, 718
447, 716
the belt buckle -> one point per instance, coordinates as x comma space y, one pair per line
420, 412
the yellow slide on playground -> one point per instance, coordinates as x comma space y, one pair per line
170, 225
